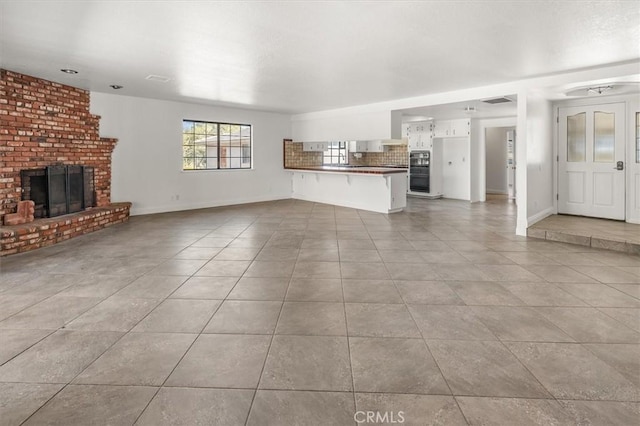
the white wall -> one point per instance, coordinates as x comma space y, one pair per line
369, 125
496, 156
147, 160
540, 158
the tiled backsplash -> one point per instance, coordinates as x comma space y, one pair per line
395, 154
294, 156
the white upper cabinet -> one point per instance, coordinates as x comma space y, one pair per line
452, 128
419, 135
366, 146
315, 146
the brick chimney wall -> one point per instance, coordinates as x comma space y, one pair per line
43, 123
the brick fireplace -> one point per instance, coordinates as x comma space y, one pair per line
48, 126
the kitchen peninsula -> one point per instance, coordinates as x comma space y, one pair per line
377, 189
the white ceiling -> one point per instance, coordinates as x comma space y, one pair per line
307, 56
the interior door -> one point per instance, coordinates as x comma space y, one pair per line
591, 153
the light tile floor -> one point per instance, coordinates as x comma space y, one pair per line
295, 313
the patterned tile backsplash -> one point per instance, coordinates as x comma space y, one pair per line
294, 156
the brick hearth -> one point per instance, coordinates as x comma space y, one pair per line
43, 123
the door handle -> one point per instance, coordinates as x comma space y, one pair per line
619, 165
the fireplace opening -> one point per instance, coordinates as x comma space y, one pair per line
58, 190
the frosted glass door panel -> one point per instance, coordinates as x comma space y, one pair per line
604, 137
577, 138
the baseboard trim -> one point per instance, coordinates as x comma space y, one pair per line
539, 216
204, 205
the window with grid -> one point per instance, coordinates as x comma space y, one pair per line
213, 146
336, 153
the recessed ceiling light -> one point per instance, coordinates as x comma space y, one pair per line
115, 86
158, 78
69, 71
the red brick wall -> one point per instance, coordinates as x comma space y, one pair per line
44, 123
45, 232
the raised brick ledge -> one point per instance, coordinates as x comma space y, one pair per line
46, 232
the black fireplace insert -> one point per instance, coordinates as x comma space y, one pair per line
58, 190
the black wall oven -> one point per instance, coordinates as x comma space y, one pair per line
419, 164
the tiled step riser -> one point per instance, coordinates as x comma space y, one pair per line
594, 242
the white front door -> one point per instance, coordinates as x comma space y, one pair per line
591, 152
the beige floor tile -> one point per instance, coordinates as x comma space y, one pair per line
312, 318
178, 316
308, 269
356, 270
178, 267
413, 271
627, 316
394, 365
250, 288
87, 404
442, 257
222, 361
11, 304
152, 287
542, 294
608, 274
277, 408
449, 322
98, 286
51, 313
602, 412
205, 288
235, 253
484, 369
20, 400
410, 410
260, 268
370, 291
515, 411
588, 325
318, 255
58, 358
528, 258
484, 293
114, 314
623, 357
457, 272
138, 359
308, 363
245, 317
213, 407
519, 324
16, 341
315, 290
224, 268
380, 320
601, 295
203, 253
569, 371
428, 293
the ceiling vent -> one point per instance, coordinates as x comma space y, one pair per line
500, 100
157, 78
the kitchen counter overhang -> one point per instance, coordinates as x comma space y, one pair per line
350, 169
377, 189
